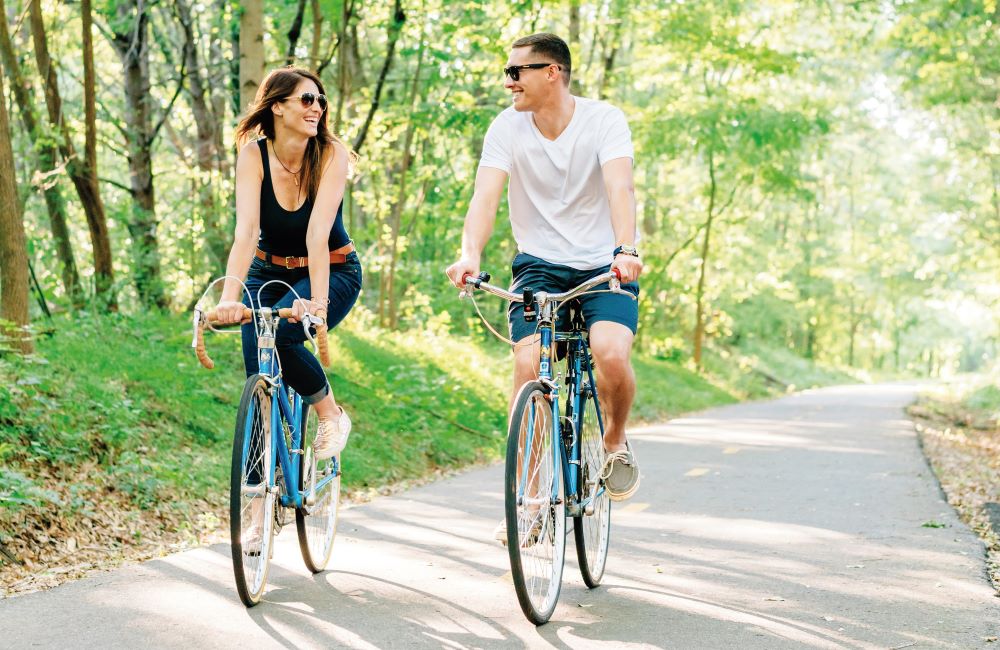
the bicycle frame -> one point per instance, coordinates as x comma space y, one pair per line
288, 412
578, 363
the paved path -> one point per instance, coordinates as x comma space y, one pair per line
787, 524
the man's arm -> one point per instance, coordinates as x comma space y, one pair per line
621, 195
479, 220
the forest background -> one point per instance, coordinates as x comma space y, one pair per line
815, 180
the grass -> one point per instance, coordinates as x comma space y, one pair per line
113, 433
959, 428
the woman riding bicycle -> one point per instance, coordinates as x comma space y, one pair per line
290, 179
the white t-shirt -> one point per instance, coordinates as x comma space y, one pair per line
559, 207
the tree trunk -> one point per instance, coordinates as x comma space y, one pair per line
343, 80
251, 51
83, 176
130, 39
205, 139
294, 32
13, 247
397, 209
48, 156
574, 45
699, 322
317, 35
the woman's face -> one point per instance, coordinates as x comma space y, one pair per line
296, 117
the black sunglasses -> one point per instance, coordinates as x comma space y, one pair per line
514, 71
307, 100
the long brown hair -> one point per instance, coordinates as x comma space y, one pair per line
278, 85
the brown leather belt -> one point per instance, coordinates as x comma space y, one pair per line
338, 256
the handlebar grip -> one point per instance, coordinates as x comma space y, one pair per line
199, 348
322, 343
210, 316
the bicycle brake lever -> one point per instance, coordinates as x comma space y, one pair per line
196, 321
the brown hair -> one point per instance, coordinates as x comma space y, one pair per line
551, 46
278, 85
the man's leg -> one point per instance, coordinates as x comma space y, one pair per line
611, 345
525, 364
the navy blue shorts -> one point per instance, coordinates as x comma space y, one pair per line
530, 271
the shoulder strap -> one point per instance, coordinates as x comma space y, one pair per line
262, 143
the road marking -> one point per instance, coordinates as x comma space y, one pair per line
698, 471
730, 450
635, 507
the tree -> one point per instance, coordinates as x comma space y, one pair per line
47, 154
13, 248
251, 46
84, 176
130, 38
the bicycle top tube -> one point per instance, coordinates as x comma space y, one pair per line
611, 277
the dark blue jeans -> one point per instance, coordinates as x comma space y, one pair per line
300, 368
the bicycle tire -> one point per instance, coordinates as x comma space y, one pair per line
592, 532
316, 523
251, 492
536, 530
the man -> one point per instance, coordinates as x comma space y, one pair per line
572, 210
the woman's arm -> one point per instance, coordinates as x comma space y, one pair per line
332, 184
249, 176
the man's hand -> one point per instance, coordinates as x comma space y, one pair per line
629, 267
463, 267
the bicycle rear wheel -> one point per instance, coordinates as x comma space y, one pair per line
252, 493
316, 521
535, 504
592, 530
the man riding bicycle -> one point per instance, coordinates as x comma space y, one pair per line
572, 211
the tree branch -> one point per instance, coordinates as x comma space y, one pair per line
395, 27
166, 111
121, 186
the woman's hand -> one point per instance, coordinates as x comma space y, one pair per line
229, 311
302, 306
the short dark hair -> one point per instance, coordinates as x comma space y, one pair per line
551, 46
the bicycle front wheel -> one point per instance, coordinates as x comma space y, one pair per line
319, 484
535, 504
592, 529
251, 496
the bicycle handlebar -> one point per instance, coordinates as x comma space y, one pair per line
201, 319
613, 278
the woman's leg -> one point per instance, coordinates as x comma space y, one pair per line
302, 370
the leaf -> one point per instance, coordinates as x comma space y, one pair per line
933, 524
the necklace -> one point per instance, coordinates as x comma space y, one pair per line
295, 174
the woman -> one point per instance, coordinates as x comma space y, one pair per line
290, 178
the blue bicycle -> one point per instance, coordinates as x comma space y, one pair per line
554, 461
274, 471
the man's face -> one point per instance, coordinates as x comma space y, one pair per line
533, 85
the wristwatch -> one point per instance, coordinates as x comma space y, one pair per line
625, 249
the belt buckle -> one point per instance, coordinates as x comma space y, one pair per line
288, 263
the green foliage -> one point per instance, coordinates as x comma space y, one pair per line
848, 152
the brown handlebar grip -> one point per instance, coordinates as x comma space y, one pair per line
199, 349
210, 317
323, 344
284, 312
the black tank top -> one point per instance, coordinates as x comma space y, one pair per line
283, 232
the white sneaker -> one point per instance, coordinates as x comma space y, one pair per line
331, 436
253, 539
500, 532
